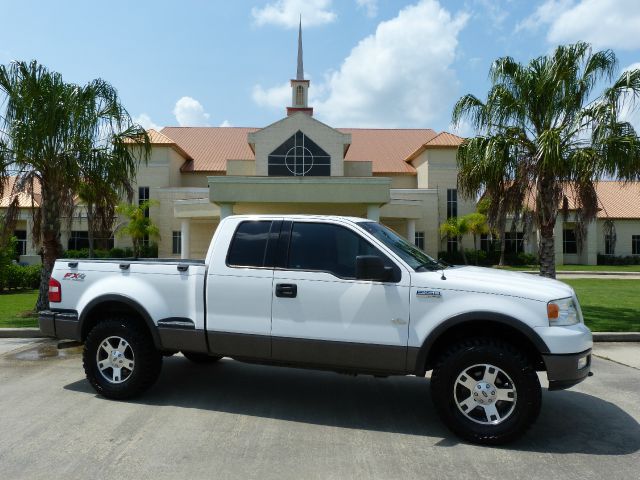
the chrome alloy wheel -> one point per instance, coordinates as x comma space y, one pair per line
115, 359
485, 394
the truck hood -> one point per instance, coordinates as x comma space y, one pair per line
496, 282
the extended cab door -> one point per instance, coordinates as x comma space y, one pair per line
239, 287
322, 315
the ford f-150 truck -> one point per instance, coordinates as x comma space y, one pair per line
333, 293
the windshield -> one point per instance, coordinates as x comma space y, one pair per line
412, 255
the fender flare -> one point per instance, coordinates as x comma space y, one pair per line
125, 300
436, 333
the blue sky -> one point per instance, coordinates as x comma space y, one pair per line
372, 63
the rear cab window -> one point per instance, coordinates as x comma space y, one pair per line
253, 244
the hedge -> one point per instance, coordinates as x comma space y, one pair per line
14, 276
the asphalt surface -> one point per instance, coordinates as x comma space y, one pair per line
233, 420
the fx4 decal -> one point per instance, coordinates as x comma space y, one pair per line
78, 277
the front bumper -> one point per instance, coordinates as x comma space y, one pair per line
565, 370
60, 324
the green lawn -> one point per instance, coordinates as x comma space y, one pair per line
609, 305
16, 309
582, 268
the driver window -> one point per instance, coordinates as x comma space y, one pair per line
328, 248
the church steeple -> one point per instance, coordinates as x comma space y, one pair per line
300, 72
299, 86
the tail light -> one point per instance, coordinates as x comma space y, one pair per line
55, 291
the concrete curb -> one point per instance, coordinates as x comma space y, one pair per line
616, 336
597, 336
21, 333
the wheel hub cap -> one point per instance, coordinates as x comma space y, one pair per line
115, 359
485, 394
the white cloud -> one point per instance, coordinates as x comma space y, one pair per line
226, 123
369, 6
145, 122
274, 97
190, 113
603, 23
544, 15
279, 96
462, 129
400, 75
286, 13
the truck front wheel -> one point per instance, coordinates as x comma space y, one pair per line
486, 391
120, 360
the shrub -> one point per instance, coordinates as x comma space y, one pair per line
618, 260
14, 276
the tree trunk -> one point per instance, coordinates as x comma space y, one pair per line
90, 229
547, 253
547, 209
475, 248
51, 247
464, 256
502, 226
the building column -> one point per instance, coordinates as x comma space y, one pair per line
411, 231
373, 212
185, 240
226, 210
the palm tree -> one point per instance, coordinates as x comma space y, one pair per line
476, 225
543, 132
48, 130
139, 225
456, 227
104, 183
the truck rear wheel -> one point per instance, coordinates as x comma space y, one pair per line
486, 391
201, 357
120, 360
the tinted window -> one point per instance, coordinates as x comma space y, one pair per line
329, 248
249, 245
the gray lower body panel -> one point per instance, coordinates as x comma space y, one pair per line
63, 324
563, 371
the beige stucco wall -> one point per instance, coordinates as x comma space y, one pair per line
625, 228
271, 137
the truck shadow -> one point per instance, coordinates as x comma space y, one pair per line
570, 421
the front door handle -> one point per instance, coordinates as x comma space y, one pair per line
286, 290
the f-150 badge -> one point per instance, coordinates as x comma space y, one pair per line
428, 293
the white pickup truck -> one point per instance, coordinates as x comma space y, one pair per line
333, 293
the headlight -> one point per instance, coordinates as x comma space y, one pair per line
562, 312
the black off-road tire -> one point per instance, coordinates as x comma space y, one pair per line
462, 356
148, 361
201, 358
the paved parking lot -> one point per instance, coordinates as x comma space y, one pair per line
233, 420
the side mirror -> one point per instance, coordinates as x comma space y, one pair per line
371, 267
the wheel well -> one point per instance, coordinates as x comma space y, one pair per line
484, 328
108, 309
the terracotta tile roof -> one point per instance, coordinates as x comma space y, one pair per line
617, 200
158, 138
387, 149
441, 140
209, 148
445, 139
24, 199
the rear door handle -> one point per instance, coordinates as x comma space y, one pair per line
286, 290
